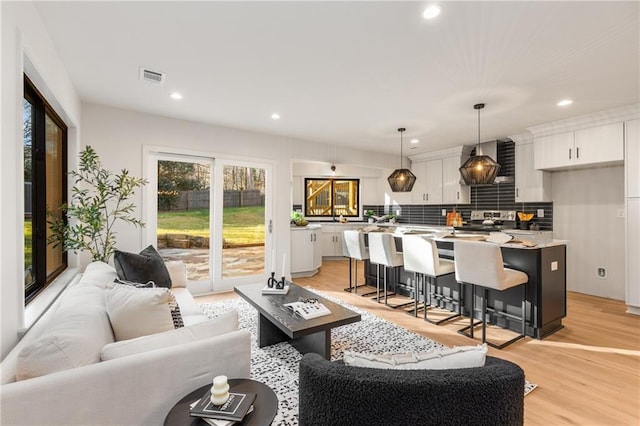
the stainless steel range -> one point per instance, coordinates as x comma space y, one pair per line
490, 220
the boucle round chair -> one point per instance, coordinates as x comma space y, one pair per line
332, 393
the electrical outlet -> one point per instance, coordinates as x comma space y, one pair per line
444, 212
602, 273
540, 212
620, 213
554, 265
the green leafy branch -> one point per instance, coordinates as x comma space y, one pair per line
99, 199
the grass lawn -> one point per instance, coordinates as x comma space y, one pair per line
27, 244
241, 225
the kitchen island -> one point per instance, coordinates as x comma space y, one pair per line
544, 263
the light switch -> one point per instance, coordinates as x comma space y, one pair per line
540, 212
444, 212
554, 265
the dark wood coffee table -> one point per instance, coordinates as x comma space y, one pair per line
277, 323
265, 407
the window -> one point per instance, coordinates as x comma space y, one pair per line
45, 171
331, 197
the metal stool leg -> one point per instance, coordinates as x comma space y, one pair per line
350, 277
472, 323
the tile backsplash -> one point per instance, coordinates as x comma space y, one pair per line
490, 197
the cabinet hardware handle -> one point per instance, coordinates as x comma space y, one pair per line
427, 197
423, 197
458, 195
578, 152
517, 192
270, 226
569, 153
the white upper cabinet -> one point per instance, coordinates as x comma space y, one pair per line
553, 151
438, 179
453, 191
428, 186
531, 185
632, 158
599, 145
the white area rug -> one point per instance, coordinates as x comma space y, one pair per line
277, 365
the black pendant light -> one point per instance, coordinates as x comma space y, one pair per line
479, 169
401, 180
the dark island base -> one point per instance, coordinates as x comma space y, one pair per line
546, 302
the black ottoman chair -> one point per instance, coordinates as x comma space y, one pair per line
332, 393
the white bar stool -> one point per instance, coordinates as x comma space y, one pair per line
421, 257
383, 252
480, 264
354, 247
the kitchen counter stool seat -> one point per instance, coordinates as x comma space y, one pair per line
354, 248
383, 252
421, 257
481, 265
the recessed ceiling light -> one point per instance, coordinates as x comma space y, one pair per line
431, 11
176, 95
275, 116
414, 141
565, 102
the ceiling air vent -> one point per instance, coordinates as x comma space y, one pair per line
150, 76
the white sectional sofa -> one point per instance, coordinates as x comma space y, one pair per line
68, 370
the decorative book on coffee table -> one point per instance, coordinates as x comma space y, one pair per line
234, 409
308, 310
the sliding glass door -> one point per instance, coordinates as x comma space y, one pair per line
213, 215
183, 228
243, 221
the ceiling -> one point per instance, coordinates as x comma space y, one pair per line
351, 73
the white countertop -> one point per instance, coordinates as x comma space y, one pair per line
539, 239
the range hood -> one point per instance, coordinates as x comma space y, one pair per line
491, 149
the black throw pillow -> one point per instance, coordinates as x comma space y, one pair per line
144, 267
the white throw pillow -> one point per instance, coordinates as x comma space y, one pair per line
76, 332
443, 359
223, 324
136, 312
98, 274
177, 272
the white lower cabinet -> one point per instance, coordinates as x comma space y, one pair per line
333, 236
332, 240
632, 255
306, 251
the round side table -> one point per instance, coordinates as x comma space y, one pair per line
265, 406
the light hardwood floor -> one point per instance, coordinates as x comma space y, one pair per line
588, 373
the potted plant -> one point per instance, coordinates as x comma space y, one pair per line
298, 219
369, 215
99, 200
392, 218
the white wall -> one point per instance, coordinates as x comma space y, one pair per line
119, 136
26, 47
370, 179
585, 212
